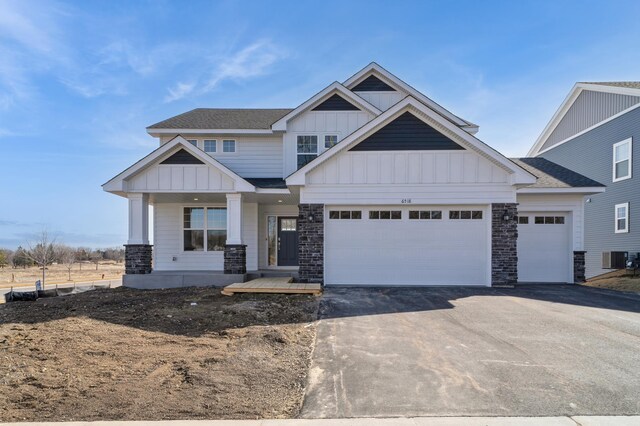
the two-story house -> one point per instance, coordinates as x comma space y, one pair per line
369, 182
596, 132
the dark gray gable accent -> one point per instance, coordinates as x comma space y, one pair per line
336, 103
373, 84
182, 157
407, 133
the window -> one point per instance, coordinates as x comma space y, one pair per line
210, 145
622, 160
425, 214
201, 221
307, 148
385, 214
465, 214
193, 142
622, 218
288, 224
228, 145
345, 214
330, 140
547, 220
523, 220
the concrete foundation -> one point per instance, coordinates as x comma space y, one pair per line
177, 279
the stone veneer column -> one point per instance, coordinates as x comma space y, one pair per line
579, 267
235, 259
137, 259
311, 243
504, 245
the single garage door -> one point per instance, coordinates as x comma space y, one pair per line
544, 247
416, 245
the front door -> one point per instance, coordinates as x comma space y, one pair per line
287, 241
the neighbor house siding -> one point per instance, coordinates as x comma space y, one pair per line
589, 108
591, 154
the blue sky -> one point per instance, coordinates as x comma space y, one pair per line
80, 81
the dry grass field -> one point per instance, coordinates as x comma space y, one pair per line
58, 274
617, 280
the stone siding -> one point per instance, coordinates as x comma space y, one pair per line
311, 243
504, 245
579, 266
137, 259
235, 259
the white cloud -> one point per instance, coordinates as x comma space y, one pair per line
179, 91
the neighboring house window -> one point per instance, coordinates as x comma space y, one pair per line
193, 142
204, 228
228, 146
622, 218
330, 140
210, 145
622, 160
307, 149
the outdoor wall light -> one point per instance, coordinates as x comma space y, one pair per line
311, 218
505, 216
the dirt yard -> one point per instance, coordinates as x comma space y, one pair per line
124, 354
618, 280
58, 274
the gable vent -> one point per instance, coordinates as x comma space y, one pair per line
373, 84
407, 133
182, 157
336, 103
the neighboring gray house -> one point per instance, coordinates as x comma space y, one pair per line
596, 132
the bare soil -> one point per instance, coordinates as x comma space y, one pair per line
58, 274
617, 280
124, 354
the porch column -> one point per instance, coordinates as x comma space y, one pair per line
235, 252
137, 251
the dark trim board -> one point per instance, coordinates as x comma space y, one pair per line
336, 103
373, 84
182, 157
407, 133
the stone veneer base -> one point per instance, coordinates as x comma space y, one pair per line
504, 245
235, 259
137, 259
311, 243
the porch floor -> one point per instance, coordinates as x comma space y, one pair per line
272, 285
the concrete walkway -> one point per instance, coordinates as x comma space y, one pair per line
402, 421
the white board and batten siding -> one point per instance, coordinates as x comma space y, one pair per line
382, 100
168, 240
424, 177
180, 178
255, 156
320, 123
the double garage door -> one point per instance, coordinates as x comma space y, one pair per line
412, 245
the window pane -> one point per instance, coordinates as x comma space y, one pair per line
193, 142
334, 214
622, 152
385, 214
356, 214
414, 214
194, 218
396, 214
559, 220
228, 146
288, 224
622, 224
548, 220
345, 214
523, 220
425, 215
193, 240
465, 214
374, 214
539, 220
621, 212
476, 214
436, 214
307, 144
622, 169
216, 240
209, 146
217, 218
272, 239
304, 159
330, 140
454, 214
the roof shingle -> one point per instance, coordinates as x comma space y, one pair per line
224, 118
627, 84
552, 175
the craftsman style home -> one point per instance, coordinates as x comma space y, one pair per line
368, 182
596, 132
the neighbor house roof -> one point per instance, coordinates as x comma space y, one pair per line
552, 175
629, 84
224, 118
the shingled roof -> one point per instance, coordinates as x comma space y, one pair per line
627, 84
224, 118
552, 175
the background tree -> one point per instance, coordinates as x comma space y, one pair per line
42, 252
5, 257
67, 256
96, 256
21, 259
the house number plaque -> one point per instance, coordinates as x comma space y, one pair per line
406, 201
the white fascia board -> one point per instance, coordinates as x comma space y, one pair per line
159, 132
333, 88
117, 183
579, 190
282, 191
519, 175
610, 89
378, 71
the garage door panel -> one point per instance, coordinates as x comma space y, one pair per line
406, 251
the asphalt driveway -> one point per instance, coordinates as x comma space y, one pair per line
530, 351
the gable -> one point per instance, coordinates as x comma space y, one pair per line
407, 133
372, 84
336, 103
182, 157
590, 108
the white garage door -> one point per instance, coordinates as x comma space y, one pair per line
544, 248
417, 245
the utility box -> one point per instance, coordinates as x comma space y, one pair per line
614, 259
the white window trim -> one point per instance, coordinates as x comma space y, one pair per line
235, 147
215, 143
205, 229
626, 218
615, 145
319, 143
